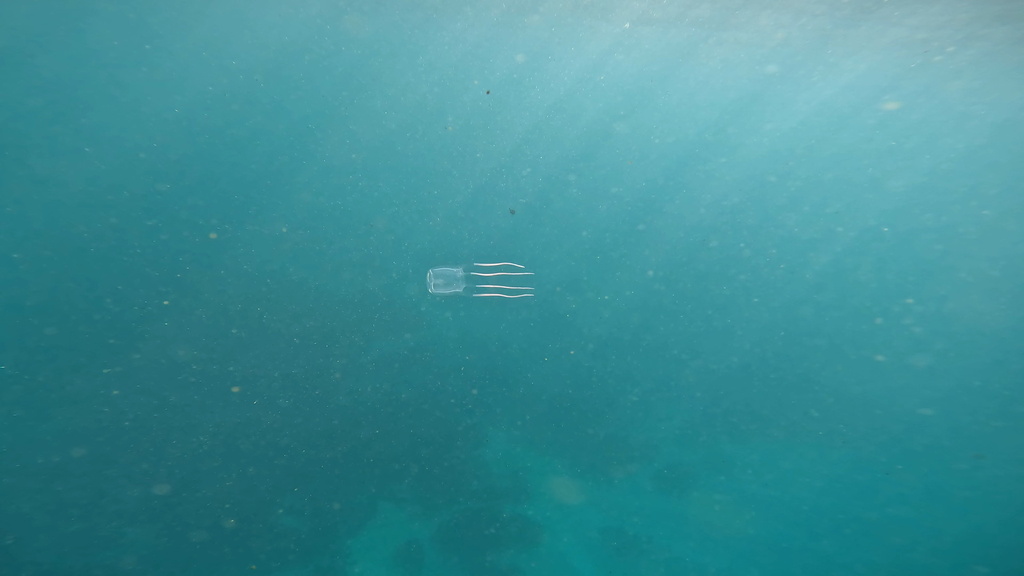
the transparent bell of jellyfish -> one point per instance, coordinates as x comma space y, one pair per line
480, 280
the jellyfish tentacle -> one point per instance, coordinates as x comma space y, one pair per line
502, 273
498, 264
505, 287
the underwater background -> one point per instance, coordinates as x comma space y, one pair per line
777, 325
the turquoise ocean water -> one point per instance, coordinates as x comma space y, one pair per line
776, 326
